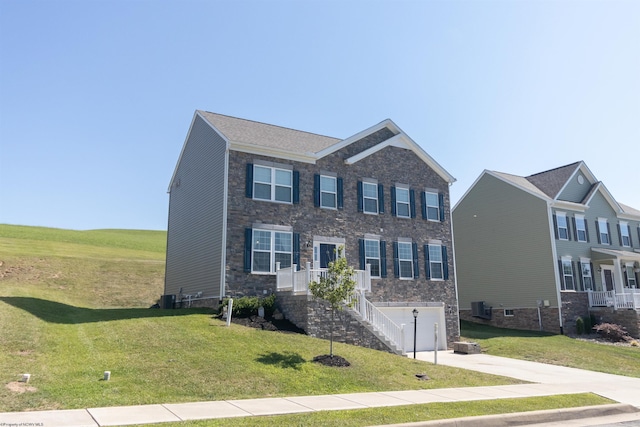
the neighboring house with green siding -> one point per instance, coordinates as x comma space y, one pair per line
537, 252
256, 209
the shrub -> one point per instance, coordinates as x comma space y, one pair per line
579, 326
248, 306
612, 332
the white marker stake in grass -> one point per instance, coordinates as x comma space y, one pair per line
229, 311
107, 375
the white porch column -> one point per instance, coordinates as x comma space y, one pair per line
293, 276
308, 272
618, 276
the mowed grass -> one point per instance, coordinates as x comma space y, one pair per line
74, 304
554, 349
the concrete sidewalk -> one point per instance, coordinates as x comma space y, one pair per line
547, 380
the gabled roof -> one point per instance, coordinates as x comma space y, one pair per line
275, 141
552, 181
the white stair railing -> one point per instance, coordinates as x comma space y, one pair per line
378, 320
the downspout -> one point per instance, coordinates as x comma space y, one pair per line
223, 258
554, 254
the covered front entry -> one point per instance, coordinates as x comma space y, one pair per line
428, 316
325, 250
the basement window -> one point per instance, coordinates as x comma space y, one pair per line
508, 312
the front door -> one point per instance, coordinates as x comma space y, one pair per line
607, 279
327, 254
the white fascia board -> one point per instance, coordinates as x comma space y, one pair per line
358, 136
184, 145
484, 172
526, 190
628, 216
402, 140
270, 152
563, 204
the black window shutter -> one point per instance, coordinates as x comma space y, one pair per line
568, 228
416, 267
445, 263
555, 226
598, 231
629, 232
396, 261
626, 278
316, 190
609, 233
423, 204
362, 254
575, 229
340, 191
441, 206
249, 181
248, 236
383, 259
619, 234
360, 201
296, 250
412, 202
579, 269
380, 198
427, 266
639, 233
393, 201
561, 271
296, 187
573, 274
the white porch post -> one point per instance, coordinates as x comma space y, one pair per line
277, 275
308, 271
294, 267
618, 276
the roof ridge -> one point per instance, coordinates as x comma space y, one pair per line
271, 125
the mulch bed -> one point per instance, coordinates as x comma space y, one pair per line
336, 361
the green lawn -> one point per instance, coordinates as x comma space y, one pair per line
554, 349
75, 303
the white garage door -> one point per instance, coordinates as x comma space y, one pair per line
427, 318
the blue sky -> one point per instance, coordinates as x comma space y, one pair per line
96, 97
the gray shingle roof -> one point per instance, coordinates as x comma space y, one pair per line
261, 134
551, 182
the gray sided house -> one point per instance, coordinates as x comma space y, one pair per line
537, 252
257, 209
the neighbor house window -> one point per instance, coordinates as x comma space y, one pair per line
435, 261
402, 200
625, 236
405, 260
269, 247
585, 271
432, 204
562, 229
631, 276
270, 183
603, 231
581, 228
372, 256
567, 274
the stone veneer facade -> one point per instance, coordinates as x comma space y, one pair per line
389, 166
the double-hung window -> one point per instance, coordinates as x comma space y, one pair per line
370, 197
585, 271
274, 184
631, 276
603, 231
581, 228
562, 228
269, 247
372, 256
625, 237
435, 261
328, 192
403, 206
432, 206
567, 274
405, 259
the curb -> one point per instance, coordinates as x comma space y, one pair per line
527, 418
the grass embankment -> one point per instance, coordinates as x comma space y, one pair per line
74, 304
554, 349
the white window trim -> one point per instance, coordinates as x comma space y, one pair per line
437, 206
630, 277
364, 198
272, 184
272, 252
334, 193
565, 275
407, 203
377, 241
512, 314
586, 261
440, 262
402, 241
604, 230
584, 229
566, 225
624, 232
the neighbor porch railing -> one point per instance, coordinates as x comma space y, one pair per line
630, 299
298, 281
